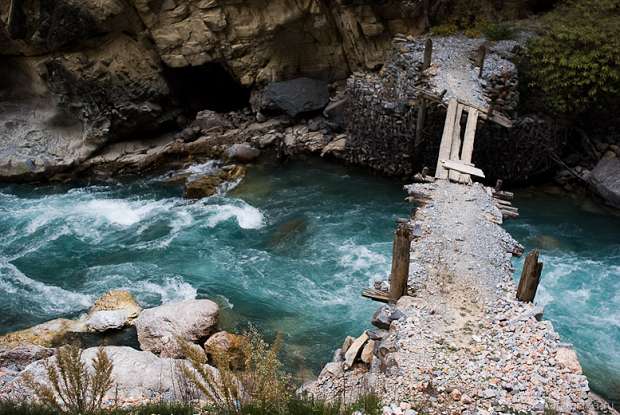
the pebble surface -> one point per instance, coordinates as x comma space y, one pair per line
465, 345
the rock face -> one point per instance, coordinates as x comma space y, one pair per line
270, 40
114, 310
79, 75
293, 97
159, 328
137, 376
605, 179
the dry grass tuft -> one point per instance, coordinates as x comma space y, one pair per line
73, 389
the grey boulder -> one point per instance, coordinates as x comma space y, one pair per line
605, 180
160, 328
242, 153
294, 97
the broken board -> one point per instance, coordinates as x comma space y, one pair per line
462, 168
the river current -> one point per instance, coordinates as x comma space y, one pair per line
288, 250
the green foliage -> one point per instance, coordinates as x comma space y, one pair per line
575, 63
498, 31
368, 404
472, 14
262, 383
446, 29
74, 389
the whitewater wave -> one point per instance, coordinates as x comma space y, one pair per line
169, 290
247, 216
47, 298
360, 257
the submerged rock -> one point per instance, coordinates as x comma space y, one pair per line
605, 179
208, 185
114, 310
191, 320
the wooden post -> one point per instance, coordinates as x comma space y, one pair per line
530, 277
428, 54
400, 262
482, 55
498, 185
419, 129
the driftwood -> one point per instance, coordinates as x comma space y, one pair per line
400, 262
530, 277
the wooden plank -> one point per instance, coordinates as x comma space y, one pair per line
502, 194
446, 140
468, 140
401, 251
455, 152
376, 295
482, 113
463, 168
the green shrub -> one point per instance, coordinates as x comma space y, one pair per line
574, 66
498, 31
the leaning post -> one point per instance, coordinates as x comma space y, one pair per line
530, 277
400, 262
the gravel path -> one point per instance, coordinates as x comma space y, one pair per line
465, 345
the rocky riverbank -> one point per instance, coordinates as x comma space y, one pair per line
151, 373
460, 342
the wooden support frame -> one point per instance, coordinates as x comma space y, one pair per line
484, 114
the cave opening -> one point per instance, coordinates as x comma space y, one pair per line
206, 87
541, 6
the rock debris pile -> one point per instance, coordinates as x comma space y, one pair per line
461, 343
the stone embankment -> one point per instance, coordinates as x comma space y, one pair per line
382, 110
460, 342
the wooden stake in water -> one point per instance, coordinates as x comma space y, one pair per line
400, 262
530, 277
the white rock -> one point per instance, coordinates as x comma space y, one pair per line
159, 328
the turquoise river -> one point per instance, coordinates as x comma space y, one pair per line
289, 250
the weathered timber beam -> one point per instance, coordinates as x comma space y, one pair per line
401, 252
530, 277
